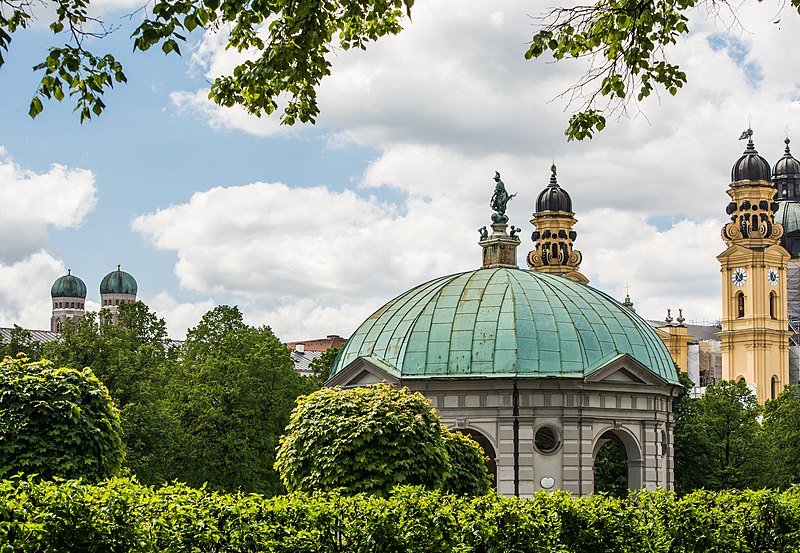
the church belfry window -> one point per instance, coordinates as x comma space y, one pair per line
774, 387
740, 305
772, 305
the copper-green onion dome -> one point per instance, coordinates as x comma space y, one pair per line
504, 322
68, 286
118, 282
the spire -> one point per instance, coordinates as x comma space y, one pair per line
499, 248
628, 303
553, 179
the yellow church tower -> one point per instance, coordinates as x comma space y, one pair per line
754, 337
554, 238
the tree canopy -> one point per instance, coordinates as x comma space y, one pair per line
232, 392
292, 42
56, 422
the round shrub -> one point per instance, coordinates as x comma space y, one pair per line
367, 439
56, 422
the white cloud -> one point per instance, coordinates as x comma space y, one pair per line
179, 316
446, 103
30, 202
21, 283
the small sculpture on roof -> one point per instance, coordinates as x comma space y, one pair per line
484, 233
500, 199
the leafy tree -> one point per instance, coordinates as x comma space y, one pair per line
692, 447
322, 365
782, 431
135, 359
20, 341
56, 422
234, 390
727, 416
371, 439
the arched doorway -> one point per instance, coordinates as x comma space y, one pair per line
616, 464
486, 445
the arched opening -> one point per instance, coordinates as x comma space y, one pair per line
740, 305
617, 464
772, 305
774, 387
486, 445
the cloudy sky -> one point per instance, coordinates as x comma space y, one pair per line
310, 229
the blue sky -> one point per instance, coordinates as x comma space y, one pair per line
311, 229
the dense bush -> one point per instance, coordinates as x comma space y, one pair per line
121, 515
56, 422
373, 438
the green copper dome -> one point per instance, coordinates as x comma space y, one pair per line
118, 282
68, 286
504, 322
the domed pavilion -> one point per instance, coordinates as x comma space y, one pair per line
539, 368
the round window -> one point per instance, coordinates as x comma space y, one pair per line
547, 439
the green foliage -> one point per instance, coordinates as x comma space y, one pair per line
122, 515
719, 443
20, 342
292, 40
467, 474
56, 422
782, 429
322, 365
626, 42
611, 469
366, 439
692, 448
136, 361
232, 394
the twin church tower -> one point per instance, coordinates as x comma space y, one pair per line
68, 294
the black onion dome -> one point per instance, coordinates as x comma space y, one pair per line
787, 167
553, 198
751, 166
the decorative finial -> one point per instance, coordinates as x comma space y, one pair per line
499, 200
69, 271
628, 303
668, 319
747, 134
119, 267
680, 318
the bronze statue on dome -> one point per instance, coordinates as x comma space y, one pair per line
500, 199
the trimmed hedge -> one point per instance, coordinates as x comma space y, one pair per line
120, 515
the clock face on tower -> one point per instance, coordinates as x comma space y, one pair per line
772, 276
739, 276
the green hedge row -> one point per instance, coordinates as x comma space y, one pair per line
120, 516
